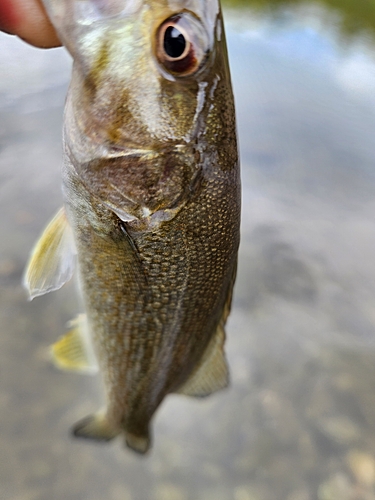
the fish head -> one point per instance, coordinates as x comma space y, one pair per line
144, 78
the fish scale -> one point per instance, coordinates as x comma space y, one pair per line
189, 309
152, 208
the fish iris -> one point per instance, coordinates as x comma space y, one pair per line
174, 42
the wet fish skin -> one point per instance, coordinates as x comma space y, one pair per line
152, 195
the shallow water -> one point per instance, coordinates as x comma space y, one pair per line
298, 422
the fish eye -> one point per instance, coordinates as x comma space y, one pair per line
176, 44
182, 44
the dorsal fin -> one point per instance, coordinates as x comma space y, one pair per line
211, 374
53, 258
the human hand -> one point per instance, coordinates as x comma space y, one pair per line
28, 20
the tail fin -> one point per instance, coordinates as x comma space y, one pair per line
138, 443
95, 427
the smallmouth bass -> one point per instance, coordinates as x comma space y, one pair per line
151, 205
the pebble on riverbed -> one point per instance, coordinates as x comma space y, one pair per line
362, 465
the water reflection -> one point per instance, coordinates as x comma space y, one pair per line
299, 420
350, 16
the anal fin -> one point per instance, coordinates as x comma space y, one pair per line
72, 351
211, 373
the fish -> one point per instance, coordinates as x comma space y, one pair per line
151, 215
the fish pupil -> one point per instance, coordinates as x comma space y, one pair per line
174, 42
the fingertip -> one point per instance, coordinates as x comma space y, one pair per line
40, 34
9, 16
28, 20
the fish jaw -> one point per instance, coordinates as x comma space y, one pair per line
143, 188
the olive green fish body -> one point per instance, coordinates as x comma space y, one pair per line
152, 198
155, 298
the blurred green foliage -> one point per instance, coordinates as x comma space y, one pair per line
352, 16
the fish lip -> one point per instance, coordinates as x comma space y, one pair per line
120, 152
105, 151
79, 155
134, 149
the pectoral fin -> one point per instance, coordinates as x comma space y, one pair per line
73, 351
211, 374
53, 258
